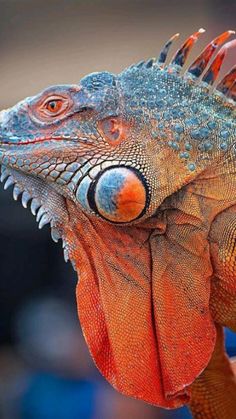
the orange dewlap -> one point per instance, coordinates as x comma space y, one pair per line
115, 310
149, 331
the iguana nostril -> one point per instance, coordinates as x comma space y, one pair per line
120, 194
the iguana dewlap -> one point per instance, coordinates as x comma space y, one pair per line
136, 173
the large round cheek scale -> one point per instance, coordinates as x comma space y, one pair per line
120, 195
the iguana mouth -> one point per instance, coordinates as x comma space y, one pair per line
18, 141
21, 142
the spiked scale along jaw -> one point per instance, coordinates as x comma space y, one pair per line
97, 161
45, 204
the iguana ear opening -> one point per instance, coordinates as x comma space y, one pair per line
146, 336
114, 130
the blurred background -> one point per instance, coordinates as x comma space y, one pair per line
46, 371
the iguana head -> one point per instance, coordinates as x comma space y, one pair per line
97, 160
81, 141
96, 143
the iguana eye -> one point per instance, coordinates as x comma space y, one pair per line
54, 106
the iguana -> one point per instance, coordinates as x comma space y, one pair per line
136, 172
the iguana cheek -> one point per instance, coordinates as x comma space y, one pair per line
120, 195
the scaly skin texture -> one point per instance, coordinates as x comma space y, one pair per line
136, 173
218, 378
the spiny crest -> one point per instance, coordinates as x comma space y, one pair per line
199, 68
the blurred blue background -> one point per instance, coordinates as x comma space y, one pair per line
46, 371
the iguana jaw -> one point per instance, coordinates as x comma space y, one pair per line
48, 206
21, 158
47, 201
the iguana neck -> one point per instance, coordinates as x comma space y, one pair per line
201, 202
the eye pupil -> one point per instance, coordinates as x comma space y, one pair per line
52, 105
